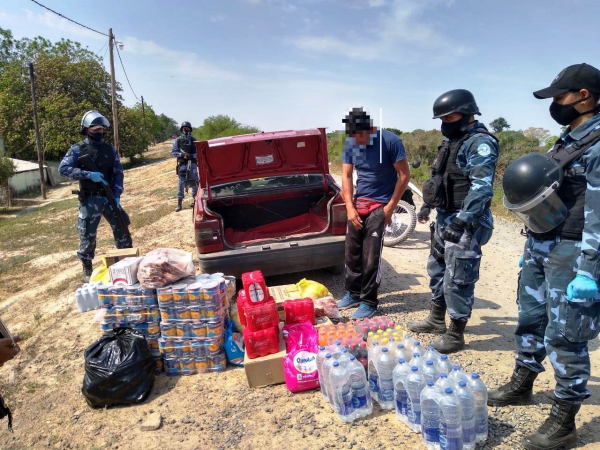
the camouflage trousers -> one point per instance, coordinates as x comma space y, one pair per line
90, 213
454, 268
551, 325
193, 180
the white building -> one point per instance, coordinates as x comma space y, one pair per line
27, 176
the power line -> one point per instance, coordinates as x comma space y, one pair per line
102, 48
70, 20
130, 87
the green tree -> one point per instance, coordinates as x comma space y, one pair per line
499, 124
221, 126
7, 169
396, 131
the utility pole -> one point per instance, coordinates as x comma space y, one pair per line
113, 84
37, 133
144, 116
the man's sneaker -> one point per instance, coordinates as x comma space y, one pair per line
364, 312
349, 301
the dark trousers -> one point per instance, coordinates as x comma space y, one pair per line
363, 257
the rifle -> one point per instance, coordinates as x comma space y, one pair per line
87, 163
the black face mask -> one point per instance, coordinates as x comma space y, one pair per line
565, 114
96, 137
455, 130
186, 132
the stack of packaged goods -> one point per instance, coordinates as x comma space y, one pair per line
132, 307
192, 327
258, 312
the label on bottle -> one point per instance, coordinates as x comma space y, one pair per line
401, 402
431, 434
449, 442
373, 382
359, 402
385, 395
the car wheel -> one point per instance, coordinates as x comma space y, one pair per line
337, 270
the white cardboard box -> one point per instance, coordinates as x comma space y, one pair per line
124, 272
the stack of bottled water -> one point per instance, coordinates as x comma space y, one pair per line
450, 410
344, 383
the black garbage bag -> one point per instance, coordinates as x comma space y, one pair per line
119, 370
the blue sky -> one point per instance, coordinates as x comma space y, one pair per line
285, 64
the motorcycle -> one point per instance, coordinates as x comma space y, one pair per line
404, 219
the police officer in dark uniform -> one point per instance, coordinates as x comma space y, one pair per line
461, 190
557, 196
184, 150
93, 203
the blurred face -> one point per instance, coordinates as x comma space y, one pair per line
187, 130
451, 118
362, 137
96, 129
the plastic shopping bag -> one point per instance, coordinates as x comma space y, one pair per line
312, 289
165, 266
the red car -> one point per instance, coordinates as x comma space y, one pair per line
267, 202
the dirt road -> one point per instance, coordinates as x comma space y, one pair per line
214, 411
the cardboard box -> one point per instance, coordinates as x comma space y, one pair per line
281, 294
266, 370
124, 272
117, 254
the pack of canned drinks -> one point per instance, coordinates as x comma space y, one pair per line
136, 295
191, 356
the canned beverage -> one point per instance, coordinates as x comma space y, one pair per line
104, 295
106, 326
194, 293
181, 329
201, 364
198, 349
153, 314
168, 313
179, 294
172, 366
216, 275
169, 329
213, 345
167, 342
217, 361
153, 329
214, 328
159, 365
149, 296
179, 349
210, 290
165, 296
182, 313
195, 312
118, 294
152, 343
199, 329
132, 295
188, 366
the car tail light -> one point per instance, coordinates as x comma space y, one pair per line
338, 219
208, 236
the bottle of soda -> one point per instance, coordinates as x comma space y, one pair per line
450, 421
339, 381
415, 383
467, 403
430, 416
361, 399
481, 412
400, 375
374, 353
385, 369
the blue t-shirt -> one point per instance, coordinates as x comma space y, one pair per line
376, 180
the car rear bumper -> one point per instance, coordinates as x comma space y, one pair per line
277, 258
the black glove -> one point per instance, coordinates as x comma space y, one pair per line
454, 231
424, 212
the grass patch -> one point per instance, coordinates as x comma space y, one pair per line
68, 284
164, 192
149, 217
32, 386
12, 263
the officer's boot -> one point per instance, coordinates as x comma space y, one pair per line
453, 340
519, 389
179, 202
557, 431
87, 270
435, 323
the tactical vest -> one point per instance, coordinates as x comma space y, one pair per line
104, 157
186, 146
448, 186
572, 190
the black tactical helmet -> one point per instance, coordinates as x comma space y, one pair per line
456, 101
185, 125
92, 119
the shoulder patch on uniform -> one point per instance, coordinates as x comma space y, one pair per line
484, 149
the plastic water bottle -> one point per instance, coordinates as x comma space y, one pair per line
418, 348
442, 383
80, 300
320, 360
417, 361
88, 300
415, 383
430, 416
400, 374
335, 349
467, 403
374, 353
481, 412
444, 364
327, 366
430, 372
408, 343
385, 368
457, 375
344, 357
432, 355
339, 380
450, 421
361, 399
400, 352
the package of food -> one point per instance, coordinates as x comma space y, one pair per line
165, 266
327, 306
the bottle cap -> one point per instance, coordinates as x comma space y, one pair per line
385, 341
448, 390
321, 348
401, 361
462, 383
328, 355
352, 357
370, 334
384, 350
475, 376
414, 368
416, 355
336, 363
337, 343
443, 375
429, 362
430, 348
456, 367
375, 342
344, 350
400, 346
444, 357
430, 383
417, 342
